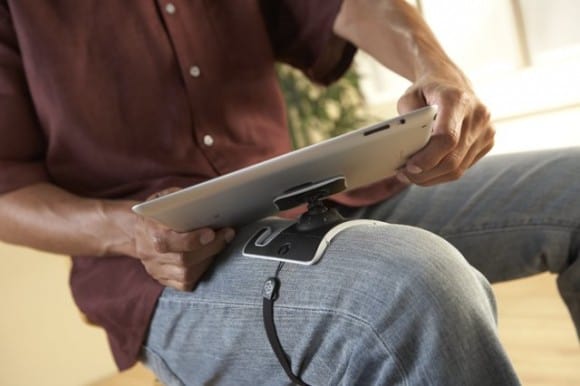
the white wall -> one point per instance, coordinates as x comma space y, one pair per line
523, 57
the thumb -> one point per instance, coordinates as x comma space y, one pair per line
412, 100
163, 192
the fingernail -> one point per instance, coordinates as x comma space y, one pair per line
206, 237
414, 169
229, 235
403, 178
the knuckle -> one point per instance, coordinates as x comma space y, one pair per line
457, 96
449, 140
159, 243
160, 240
481, 113
452, 162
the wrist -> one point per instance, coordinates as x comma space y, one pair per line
119, 224
445, 74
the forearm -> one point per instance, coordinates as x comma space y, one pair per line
395, 34
46, 217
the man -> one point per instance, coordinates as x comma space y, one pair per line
105, 103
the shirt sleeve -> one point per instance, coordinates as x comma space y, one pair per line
301, 35
22, 144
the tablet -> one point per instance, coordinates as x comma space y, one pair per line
362, 157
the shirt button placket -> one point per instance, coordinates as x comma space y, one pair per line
194, 72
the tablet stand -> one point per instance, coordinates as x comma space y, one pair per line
302, 241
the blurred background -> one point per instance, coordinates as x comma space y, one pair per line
523, 57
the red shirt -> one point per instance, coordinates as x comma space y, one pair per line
120, 99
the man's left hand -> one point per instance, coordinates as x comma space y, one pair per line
462, 132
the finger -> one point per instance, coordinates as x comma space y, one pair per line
195, 256
482, 146
167, 240
489, 140
476, 134
412, 100
450, 164
475, 153
448, 170
176, 284
447, 132
203, 238
482, 153
223, 237
184, 278
163, 192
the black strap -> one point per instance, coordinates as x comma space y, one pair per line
270, 294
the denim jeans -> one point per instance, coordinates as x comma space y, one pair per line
396, 304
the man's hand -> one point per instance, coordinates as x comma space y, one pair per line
395, 34
46, 217
462, 132
176, 259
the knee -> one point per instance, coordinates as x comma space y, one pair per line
388, 266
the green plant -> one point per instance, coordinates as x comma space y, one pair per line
316, 113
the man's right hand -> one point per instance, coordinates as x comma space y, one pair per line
47, 217
175, 259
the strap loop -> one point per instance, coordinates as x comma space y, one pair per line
270, 295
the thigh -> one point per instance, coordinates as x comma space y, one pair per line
510, 215
214, 334
353, 318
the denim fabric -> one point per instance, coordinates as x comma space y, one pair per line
511, 216
389, 304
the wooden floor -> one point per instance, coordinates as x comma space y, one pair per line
537, 332
533, 324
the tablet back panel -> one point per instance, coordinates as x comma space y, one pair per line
363, 156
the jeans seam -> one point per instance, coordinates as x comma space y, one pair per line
167, 369
192, 303
491, 228
346, 315
363, 323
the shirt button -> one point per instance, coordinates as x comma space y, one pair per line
170, 8
208, 140
194, 71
